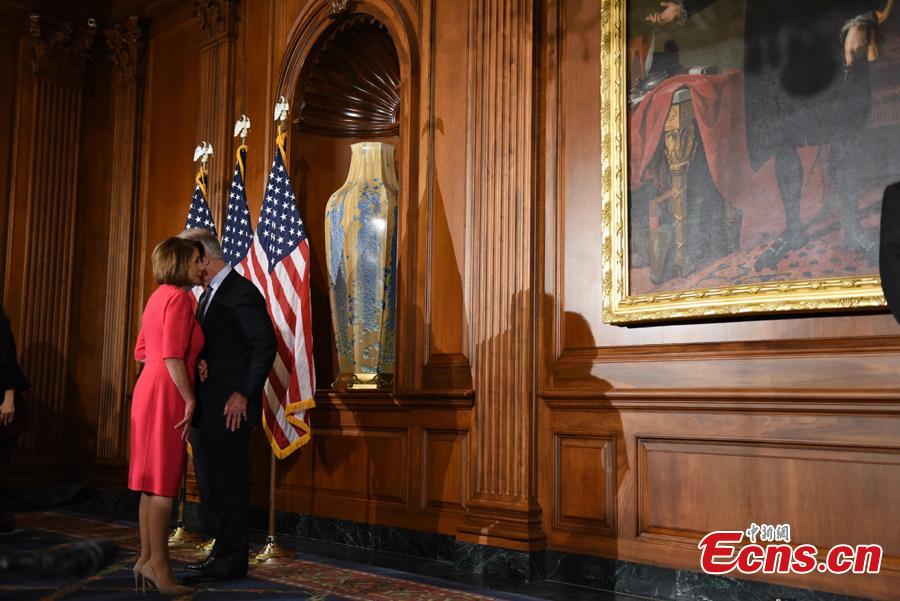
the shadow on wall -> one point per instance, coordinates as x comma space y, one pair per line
57, 433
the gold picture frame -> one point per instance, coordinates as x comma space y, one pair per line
619, 305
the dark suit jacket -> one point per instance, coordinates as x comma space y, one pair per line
11, 377
240, 349
889, 252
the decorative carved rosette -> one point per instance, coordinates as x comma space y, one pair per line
341, 8
61, 50
126, 44
218, 18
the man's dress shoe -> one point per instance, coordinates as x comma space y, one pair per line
215, 572
200, 565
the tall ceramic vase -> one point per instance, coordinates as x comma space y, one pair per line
361, 248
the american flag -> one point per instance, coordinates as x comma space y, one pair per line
199, 215
279, 266
238, 236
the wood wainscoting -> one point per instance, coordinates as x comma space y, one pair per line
651, 437
377, 460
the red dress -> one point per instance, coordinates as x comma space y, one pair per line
168, 330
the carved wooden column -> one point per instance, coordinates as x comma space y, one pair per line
504, 511
47, 231
218, 48
126, 47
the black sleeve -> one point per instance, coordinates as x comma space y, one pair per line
11, 375
694, 6
889, 252
257, 328
847, 10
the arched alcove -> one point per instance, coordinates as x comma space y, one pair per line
349, 85
348, 89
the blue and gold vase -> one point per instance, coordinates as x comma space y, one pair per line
361, 248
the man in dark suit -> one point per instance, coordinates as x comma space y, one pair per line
889, 252
239, 352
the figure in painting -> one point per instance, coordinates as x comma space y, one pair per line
806, 83
759, 135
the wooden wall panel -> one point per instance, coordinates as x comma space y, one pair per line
9, 77
446, 315
373, 460
585, 484
256, 70
445, 469
688, 487
89, 299
371, 474
167, 171
682, 473
40, 273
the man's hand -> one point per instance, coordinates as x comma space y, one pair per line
856, 44
203, 370
8, 408
235, 411
666, 16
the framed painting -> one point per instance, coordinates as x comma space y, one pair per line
746, 145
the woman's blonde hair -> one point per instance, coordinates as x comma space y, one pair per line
171, 261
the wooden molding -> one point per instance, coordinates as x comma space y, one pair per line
870, 345
40, 264
377, 400
450, 370
61, 50
504, 510
218, 19
218, 55
13, 19
496, 523
125, 43
842, 401
340, 8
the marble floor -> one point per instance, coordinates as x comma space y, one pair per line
312, 570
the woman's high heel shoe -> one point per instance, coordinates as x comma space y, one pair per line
136, 570
176, 589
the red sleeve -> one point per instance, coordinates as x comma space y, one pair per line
178, 323
140, 350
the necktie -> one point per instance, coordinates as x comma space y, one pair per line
201, 304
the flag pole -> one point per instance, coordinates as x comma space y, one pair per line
272, 550
180, 536
203, 151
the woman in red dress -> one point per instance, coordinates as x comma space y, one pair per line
168, 344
